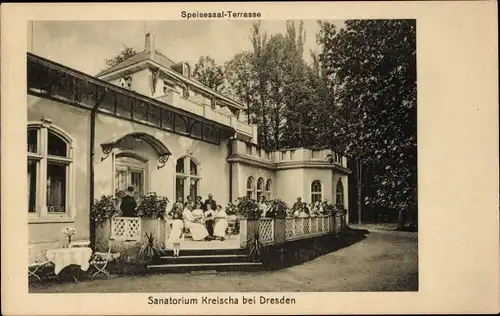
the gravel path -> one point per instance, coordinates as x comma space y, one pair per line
384, 261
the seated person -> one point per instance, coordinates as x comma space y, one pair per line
198, 231
221, 224
198, 214
304, 212
209, 216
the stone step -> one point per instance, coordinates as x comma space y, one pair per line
207, 252
208, 258
219, 266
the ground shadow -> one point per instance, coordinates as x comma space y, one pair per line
297, 252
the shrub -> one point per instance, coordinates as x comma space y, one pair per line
152, 206
150, 250
104, 209
247, 207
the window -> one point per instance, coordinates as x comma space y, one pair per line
283, 155
251, 188
48, 171
249, 148
268, 189
260, 188
315, 154
188, 178
130, 170
126, 82
339, 193
292, 154
316, 191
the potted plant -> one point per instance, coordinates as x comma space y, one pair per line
68, 233
150, 250
279, 208
104, 209
247, 208
152, 209
152, 206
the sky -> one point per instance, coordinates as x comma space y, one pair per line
84, 45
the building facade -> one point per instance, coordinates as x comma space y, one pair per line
145, 122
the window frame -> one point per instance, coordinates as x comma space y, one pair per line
313, 193
135, 163
187, 177
340, 185
42, 159
269, 189
260, 191
250, 189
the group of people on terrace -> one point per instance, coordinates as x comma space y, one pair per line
205, 220
302, 209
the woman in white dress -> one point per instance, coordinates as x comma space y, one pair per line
220, 224
198, 231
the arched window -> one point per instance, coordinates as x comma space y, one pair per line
268, 189
260, 188
316, 191
339, 195
187, 178
251, 187
130, 170
49, 175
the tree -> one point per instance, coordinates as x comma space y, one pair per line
209, 73
370, 68
126, 53
259, 42
240, 74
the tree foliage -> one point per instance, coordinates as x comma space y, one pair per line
370, 71
209, 73
126, 53
241, 78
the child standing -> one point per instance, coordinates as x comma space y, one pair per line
176, 232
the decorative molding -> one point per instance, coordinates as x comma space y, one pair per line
46, 122
163, 161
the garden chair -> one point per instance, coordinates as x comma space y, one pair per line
100, 260
35, 263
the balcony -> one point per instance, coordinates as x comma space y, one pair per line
220, 115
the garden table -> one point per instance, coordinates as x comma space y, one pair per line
63, 257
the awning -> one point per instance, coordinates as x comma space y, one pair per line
156, 144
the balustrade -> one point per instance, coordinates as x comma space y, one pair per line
126, 228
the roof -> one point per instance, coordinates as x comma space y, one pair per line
137, 58
167, 63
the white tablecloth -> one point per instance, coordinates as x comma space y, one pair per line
64, 257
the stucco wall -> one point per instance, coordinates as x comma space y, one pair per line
212, 158
243, 171
140, 82
323, 175
75, 122
290, 185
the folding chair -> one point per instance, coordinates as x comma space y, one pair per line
35, 263
100, 260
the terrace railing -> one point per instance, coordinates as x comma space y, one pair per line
266, 230
297, 228
126, 228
